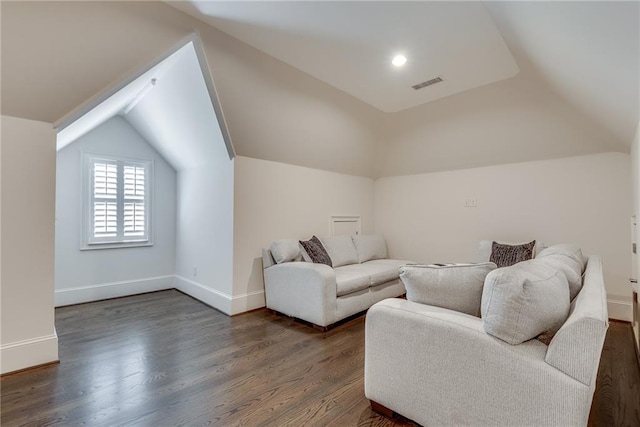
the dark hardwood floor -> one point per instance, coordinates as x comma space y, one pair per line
164, 359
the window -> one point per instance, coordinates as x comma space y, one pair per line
116, 202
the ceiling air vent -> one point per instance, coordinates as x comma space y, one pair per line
427, 83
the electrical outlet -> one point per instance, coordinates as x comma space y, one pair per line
471, 203
195, 271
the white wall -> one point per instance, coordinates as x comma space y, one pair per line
276, 201
91, 275
583, 200
28, 186
204, 264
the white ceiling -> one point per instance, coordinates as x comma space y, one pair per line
587, 52
350, 44
176, 117
116, 103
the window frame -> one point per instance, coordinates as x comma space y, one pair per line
88, 241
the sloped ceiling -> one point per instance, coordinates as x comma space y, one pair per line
588, 52
118, 102
349, 45
578, 79
177, 117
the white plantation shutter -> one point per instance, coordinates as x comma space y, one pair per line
134, 201
105, 194
118, 199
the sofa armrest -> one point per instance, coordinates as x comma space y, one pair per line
303, 290
577, 346
438, 367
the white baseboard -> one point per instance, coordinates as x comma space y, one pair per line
246, 302
222, 301
619, 309
112, 290
27, 353
216, 299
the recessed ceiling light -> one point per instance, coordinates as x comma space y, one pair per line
399, 60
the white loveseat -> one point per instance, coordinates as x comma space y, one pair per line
322, 295
440, 367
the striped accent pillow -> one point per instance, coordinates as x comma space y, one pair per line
507, 255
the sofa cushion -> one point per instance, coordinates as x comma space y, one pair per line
506, 255
454, 286
522, 301
370, 247
341, 250
313, 251
285, 250
351, 278
384, 270
567, 260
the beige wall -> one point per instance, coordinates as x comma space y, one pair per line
28, 210
635, 194
275, 201
583, 200
515, 120
273, 110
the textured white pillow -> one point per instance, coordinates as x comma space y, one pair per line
370, 247
455, 287
341, 250
574, 249
285, 250
524, 300
569, 260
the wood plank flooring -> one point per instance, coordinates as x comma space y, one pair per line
165, 359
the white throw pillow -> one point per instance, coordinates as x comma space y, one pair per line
455, 287
574, 249
370, 247
524, 300
285, 250
341, 250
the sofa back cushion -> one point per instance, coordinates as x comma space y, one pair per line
370, 247
569, 262
454, 286
341, 250
285, 250
522, 301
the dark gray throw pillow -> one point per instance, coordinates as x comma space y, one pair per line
507, 255
317, 253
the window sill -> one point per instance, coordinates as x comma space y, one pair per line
116, 245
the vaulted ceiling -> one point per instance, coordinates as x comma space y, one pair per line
310, 83
350, 44
588, 52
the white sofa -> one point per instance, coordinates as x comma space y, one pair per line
440, 367
322, 295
